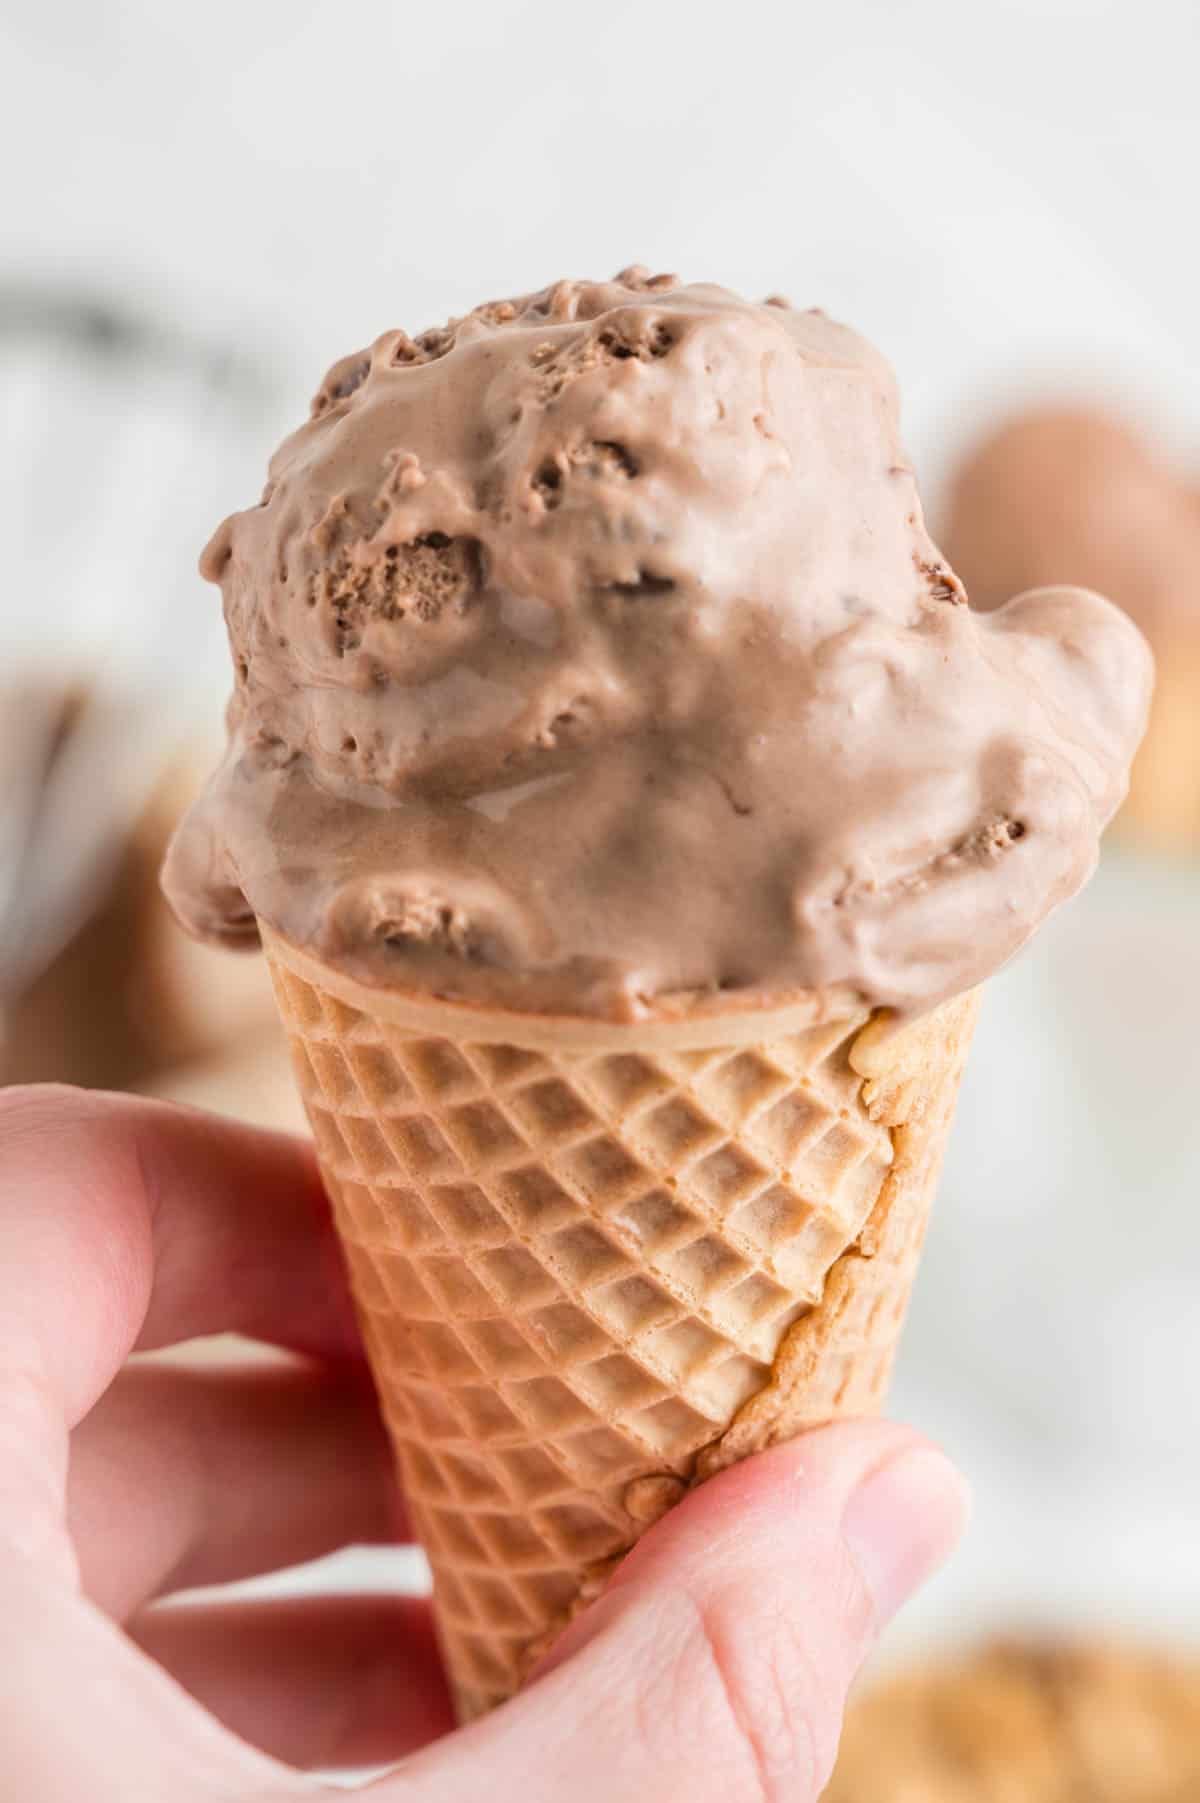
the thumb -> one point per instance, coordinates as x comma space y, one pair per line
716, 1663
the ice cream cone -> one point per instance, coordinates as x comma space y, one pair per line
1028, 1721
1163, 808
597, 1262
1070, 493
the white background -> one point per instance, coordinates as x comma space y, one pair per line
1003, 196
984, 189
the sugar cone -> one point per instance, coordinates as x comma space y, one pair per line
595, 1263
1163, 806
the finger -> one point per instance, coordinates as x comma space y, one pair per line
136, 1224
315, 1681
716, 1663
87, 1714
181, 1477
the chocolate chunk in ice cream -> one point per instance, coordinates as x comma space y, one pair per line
592, 657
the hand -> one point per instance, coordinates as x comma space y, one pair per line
715, 1665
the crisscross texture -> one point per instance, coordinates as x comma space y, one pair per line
575, 1268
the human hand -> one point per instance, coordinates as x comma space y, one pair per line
714, 1666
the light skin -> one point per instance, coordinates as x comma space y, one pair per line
715, 1666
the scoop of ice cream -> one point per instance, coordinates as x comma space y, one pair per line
1072, 494
592, 657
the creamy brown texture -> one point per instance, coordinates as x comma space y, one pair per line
592, 656
1071, 494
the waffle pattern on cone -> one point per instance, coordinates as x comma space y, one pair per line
1019, 1722
573, 1269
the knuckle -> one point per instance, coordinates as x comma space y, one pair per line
32, 1107
777, 1705
96, 1139
32, 1113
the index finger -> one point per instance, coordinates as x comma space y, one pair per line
127, 1224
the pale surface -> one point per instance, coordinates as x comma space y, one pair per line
1054, 1334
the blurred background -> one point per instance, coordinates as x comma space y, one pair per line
206, 205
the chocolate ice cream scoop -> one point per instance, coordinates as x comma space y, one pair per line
1074, 494
593, 658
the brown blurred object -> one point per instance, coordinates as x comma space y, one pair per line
1023, 1722
129, 995
1076, 496
252, 1081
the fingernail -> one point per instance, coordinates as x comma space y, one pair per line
902, 1523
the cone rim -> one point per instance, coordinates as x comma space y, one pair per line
680, 1024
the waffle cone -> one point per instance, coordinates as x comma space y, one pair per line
1163, 806
596, 1263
